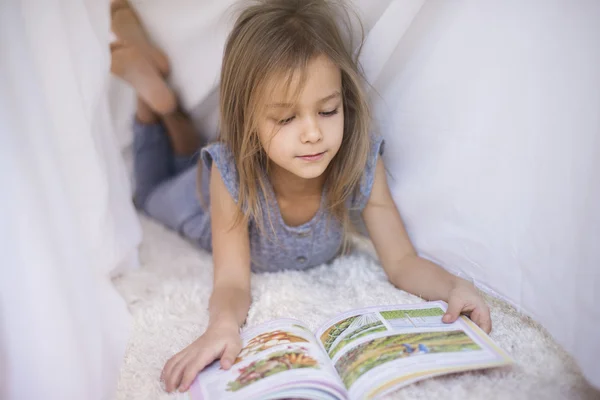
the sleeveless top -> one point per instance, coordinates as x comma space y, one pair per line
280, 246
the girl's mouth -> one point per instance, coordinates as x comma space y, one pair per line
312, 157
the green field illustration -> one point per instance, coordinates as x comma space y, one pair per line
420, 312
379, 351
418, 318
350, 329
365, 330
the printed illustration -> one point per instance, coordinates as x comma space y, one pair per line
292, 358
334, 331
419, 318
373, 353
365, 330
267, 340
302, 328
349, 330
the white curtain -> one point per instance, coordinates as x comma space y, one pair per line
67, 222
491, 111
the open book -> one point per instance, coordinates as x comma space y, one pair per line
361, 354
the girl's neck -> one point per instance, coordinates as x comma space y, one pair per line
287, 185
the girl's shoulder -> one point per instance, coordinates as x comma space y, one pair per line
361, 197
220, 155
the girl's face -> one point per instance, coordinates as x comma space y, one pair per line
303, 136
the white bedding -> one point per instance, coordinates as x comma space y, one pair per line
168, 297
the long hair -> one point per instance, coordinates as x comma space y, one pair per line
277, 38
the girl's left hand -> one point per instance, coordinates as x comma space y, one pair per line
464, 299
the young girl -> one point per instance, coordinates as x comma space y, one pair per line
295, 155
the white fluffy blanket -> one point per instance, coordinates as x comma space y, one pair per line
168, 298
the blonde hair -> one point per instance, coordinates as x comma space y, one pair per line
276, 38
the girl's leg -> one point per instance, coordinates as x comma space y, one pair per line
129, 64
164, 146
144, 114
166, 180
175, 203
184, 139
153, 157
137, 61
128, 27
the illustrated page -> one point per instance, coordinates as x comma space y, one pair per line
378, 349
280, 357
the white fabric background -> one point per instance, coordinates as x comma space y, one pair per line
491, 115
67, 221
491, 111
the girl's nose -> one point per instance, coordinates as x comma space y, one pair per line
311, 132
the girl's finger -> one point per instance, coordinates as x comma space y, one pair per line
170, 364
229, 355
193, 368
454, 309
173, 380
482, 318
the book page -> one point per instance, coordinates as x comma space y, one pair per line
279, 359
379, 349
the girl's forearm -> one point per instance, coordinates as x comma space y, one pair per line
229, 305
423, 278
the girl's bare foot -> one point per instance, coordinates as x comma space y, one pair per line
128, 28
128, 63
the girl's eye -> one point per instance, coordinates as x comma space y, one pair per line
285, 121
329, 113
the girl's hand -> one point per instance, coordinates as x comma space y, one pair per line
221, 340
464, 299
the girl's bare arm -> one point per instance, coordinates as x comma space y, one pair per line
230, 300
409, 272
231, 297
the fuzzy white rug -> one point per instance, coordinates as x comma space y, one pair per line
168, 299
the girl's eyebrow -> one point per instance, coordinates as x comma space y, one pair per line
290, 105
331, 96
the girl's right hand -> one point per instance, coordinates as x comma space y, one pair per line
221, 340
